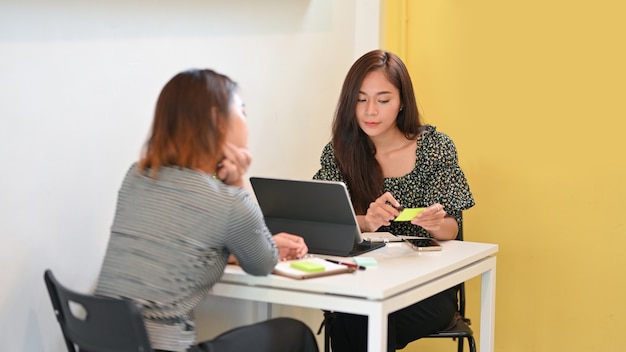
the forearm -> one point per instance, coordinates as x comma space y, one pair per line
363, 226
258, 262
249, 240
448, 229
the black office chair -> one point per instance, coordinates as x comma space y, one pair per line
104, 324
460, 330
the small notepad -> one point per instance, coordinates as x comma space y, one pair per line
378, 237
365, 261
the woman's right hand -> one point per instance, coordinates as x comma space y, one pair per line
234, 165
381, 212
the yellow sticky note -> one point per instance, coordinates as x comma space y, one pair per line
408, 214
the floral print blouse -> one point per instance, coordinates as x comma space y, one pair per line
436, 178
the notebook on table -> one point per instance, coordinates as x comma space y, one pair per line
289, 268
318, 211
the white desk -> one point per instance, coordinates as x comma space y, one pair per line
403, 277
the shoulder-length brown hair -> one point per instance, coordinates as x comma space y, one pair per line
354, 152
190, 121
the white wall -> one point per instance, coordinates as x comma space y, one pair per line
78, 83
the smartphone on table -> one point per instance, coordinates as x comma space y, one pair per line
422, 243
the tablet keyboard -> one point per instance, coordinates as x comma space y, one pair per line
364, 247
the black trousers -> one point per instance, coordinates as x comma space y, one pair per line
274, 335
348, 332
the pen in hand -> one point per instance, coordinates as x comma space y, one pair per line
351, 265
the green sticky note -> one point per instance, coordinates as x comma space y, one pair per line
408, 214
309, 267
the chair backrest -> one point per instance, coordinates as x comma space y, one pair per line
97, 324
459, 237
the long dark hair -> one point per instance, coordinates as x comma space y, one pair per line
354, 151
190, 121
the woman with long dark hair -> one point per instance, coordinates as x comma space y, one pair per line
388, 160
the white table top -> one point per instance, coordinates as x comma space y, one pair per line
399, 268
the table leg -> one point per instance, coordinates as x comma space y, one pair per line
264, 311
377, 330
488, 308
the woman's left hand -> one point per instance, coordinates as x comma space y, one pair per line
431, 218
290, 246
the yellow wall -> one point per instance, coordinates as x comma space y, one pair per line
533, 93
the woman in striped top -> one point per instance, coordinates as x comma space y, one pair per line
182, 214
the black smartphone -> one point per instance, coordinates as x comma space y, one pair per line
422, 243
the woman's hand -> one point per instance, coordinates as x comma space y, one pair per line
232, 259
431, 219
290, 246
234, 165
380, 213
